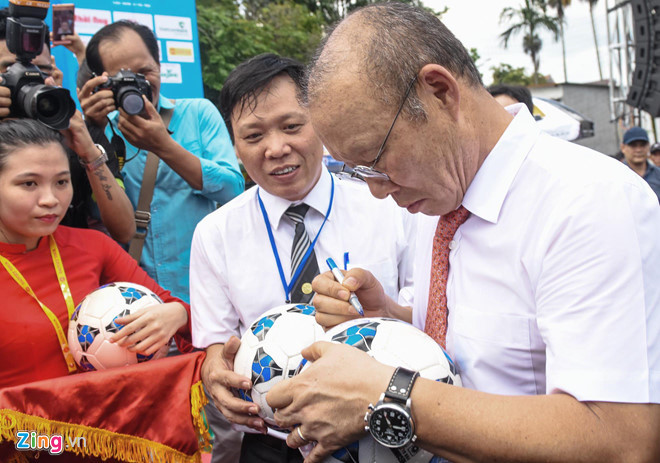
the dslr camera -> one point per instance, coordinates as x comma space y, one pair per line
30, 97
128, 88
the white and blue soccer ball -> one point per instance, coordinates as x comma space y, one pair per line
93, 322
395, 343
367, 450
270, 351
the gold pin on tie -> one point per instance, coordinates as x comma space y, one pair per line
306, 288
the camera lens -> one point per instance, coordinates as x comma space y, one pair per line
47, 105
50, 105
130, 100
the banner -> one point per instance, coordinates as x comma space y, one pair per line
172, 21
149, 412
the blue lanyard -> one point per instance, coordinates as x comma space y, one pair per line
289, 286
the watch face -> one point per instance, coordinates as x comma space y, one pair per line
391, 426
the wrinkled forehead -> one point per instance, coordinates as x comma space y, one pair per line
349, 123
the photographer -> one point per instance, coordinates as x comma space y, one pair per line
98, 179
199, 169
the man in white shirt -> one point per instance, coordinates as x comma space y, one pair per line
235, 268
552, 293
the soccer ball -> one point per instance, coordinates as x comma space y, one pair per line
367, 450
93, 322
270, 351
395, 343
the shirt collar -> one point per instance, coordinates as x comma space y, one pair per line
651, 169
318, 199
485, 195
164, 102
8, 248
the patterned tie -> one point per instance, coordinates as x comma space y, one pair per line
302, 289
436, 312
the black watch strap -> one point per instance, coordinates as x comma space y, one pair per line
401, 384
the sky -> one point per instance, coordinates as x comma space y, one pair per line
482, 32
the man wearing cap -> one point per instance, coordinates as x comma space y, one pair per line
655, 153
635, 149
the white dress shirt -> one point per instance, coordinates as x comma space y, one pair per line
233, 274
554, 281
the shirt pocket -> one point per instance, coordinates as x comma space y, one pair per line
491, 327
386, 272
494, 351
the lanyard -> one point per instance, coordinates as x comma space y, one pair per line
288, 287
66, 292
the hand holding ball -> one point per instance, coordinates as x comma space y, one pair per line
93, 323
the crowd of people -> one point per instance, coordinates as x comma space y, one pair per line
533, 261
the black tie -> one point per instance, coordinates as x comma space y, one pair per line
302, 289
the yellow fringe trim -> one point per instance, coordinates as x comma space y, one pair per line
197, 402
107, 444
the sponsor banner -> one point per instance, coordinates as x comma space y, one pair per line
173, 27
170, 73
140, 18
90, 21
180, 52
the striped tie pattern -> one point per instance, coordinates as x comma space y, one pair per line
437, 311
301, 244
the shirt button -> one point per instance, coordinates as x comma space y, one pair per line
452, 244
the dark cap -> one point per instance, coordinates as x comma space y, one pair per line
635, 134
655, 147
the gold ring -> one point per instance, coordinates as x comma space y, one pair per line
301, 434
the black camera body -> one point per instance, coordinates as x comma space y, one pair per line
128, 88
30, 97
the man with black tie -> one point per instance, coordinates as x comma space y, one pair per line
263, 248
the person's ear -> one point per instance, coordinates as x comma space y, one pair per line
438, 82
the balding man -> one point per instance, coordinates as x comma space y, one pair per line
551, 293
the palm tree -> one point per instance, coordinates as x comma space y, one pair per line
592, 4
560, 5
529, 18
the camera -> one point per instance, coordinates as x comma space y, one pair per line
128, 88
30, 97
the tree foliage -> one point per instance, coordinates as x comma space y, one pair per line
529, 19
476, 57
560, 7
507, 74
228, 37
231, 31
330, 10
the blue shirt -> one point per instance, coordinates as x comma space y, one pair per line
652, 177
176, 208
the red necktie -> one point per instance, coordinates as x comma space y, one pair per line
436, 311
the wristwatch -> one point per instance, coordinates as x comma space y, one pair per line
390, 421
98, 162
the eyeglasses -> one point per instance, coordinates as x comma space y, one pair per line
364, 172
